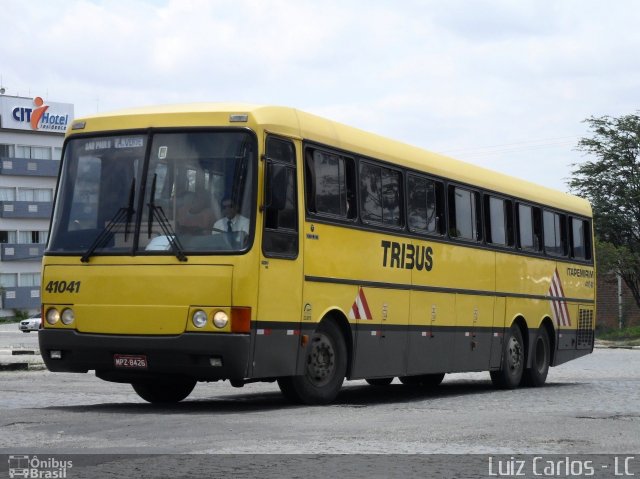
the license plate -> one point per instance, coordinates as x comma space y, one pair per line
129, 361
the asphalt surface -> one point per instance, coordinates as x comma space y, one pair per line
589, 406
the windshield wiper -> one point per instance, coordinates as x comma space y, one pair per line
124, 213
157, 212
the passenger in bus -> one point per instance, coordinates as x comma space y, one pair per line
232, 221
195, 216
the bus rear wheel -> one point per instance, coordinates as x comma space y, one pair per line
513, 361
536, 375
423, 380
166, 391
325, 368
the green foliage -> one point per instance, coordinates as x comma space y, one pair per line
20, 315
611, 182
617, 334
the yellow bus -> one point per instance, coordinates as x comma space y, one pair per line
248, 243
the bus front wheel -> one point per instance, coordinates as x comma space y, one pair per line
164, 391
513, 360
324, 371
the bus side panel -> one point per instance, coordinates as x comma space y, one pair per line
372, 289
474, 333
431, 334
381, 341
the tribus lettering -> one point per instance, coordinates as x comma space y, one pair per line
407, 256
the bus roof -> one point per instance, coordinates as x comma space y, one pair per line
289, 121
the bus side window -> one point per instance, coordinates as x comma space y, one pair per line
465, 220
425, 205
555, 233
280, 238
330, 184
580, 239
499, 221
529, 228
381, 194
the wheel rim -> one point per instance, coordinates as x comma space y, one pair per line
321, 362
514, 355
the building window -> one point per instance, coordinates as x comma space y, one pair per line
8, 280
35, 194
7, 194
33, 237
7, 151
30, 279
7, 237
33, 152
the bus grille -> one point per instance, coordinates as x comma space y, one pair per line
585, 329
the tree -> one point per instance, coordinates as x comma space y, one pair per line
611, 182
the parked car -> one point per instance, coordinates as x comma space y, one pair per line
32, 323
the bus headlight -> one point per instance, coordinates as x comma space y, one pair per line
220, 319
199, 319
67, 316
53, 316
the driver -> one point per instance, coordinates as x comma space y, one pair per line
231, 222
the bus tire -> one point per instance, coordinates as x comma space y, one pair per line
423, 380
536, 375
324, 370
513, 360
167, 391
379, 381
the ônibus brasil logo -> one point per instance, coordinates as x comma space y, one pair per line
32, 467
39, 117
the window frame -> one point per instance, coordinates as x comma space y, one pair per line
287, 232
400, 194
563, 233
452, 214
350, 184
440, 205
587, 245
508, 221
536, 228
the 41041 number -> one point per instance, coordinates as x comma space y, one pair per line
63, 287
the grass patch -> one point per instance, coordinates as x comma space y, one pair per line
632, 332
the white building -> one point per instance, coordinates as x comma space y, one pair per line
31, 137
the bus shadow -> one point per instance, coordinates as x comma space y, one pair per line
354, 395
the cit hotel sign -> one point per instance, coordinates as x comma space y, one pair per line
35, 115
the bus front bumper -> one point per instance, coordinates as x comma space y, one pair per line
201, 356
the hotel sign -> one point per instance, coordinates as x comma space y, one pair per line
34, 114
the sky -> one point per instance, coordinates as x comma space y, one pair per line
504, 84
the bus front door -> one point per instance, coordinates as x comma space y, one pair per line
277, 325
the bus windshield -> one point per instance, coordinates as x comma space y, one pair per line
162, 193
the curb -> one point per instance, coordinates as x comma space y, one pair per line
14, 367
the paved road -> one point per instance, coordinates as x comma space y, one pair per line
591, 405
10, 335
